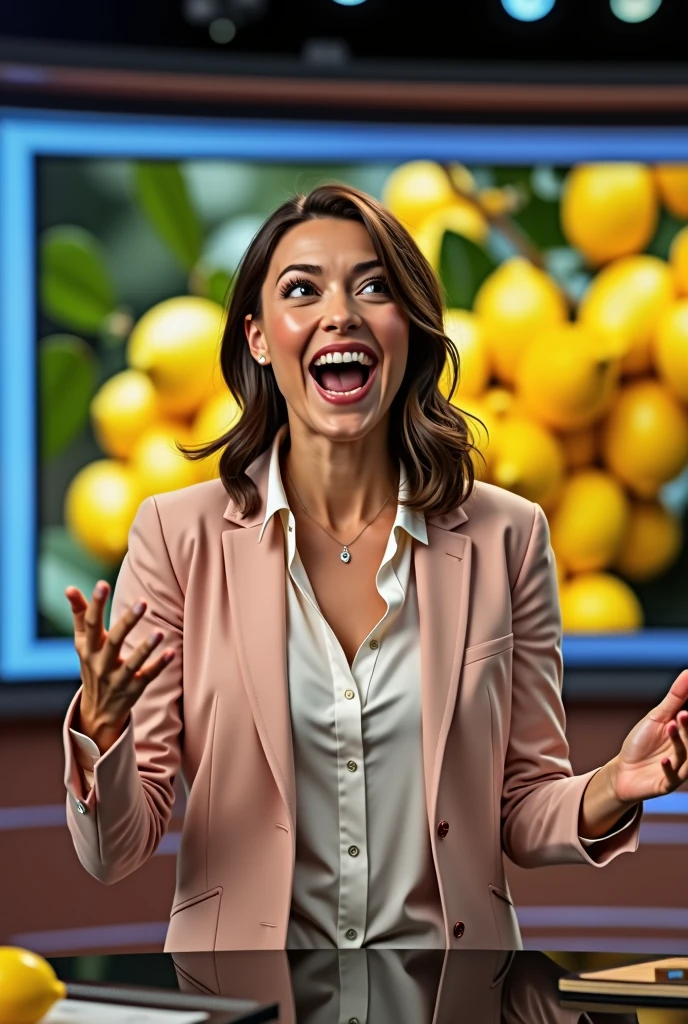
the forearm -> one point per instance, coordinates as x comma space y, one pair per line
600, 808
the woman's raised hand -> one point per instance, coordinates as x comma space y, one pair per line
111, 686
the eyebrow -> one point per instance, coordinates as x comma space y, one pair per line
311, 268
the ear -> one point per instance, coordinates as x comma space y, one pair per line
255, 336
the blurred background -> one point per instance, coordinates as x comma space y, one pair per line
537, 152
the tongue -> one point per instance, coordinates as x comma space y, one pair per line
342, 379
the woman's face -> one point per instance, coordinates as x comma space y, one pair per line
325, 287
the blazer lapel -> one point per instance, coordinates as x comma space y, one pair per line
256, 585
443, 573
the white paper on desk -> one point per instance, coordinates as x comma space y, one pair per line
80, 1011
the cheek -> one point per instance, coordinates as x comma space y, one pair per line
288, 334
392, 332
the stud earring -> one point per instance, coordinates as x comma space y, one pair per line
261, 359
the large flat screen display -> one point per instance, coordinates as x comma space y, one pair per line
563, 253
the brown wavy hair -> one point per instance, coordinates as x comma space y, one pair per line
430, 435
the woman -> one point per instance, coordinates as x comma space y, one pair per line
362, 695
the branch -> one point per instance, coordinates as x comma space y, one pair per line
511, 230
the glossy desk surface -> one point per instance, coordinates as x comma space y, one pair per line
372, 986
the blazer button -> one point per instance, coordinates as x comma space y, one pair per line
442, 829
459, 929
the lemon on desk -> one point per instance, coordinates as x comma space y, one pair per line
28, 986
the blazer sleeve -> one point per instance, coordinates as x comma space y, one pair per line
541, 797
118, 823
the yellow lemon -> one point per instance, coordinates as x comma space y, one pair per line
416, 189
565, 379
157, 463
528, 460
581, 447
513, 303
590, 521
644, 439
100, 505
671, 349
501, 402
623, 304
461, 217
652, 543
123, 407
465, 330
177, 344
214, 419
678, 260
597, 602
28, 986
672, 181
609, 210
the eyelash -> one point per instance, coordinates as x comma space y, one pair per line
299, 281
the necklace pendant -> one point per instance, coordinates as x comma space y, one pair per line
345, 556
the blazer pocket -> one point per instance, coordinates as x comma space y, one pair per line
500, 892
506, 921
486, 650
193, 923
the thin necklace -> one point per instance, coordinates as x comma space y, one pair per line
345, 554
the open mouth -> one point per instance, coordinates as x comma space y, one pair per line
340, 379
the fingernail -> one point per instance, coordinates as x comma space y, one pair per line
139, 607
101, 590
167, 658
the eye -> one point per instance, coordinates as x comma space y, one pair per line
379, 286
299, 288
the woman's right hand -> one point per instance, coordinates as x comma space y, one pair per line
111, 686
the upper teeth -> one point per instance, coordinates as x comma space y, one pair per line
344, 357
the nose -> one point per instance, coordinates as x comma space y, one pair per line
339, 315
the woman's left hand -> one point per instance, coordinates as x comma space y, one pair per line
654, 758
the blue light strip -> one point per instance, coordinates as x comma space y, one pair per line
27, 134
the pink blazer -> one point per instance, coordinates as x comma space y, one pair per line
496, 764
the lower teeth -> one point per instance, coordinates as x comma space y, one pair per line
344, 392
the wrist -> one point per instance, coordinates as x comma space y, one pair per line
611, 770
98, 728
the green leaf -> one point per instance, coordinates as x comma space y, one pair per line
165, 199
540, 219
667, 228
463, 268
67, 371
75, 286
61, 564
219, 286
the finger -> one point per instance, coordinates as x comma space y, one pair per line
682, 721
677, 742
116, 635
146, 675
128, 669
78, 604
672, 777
674, 700
93, 617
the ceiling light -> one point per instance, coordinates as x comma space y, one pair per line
528, 10
635, 10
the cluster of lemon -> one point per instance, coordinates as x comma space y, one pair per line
172, 390
586, 404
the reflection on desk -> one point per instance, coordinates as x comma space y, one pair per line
370, 986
